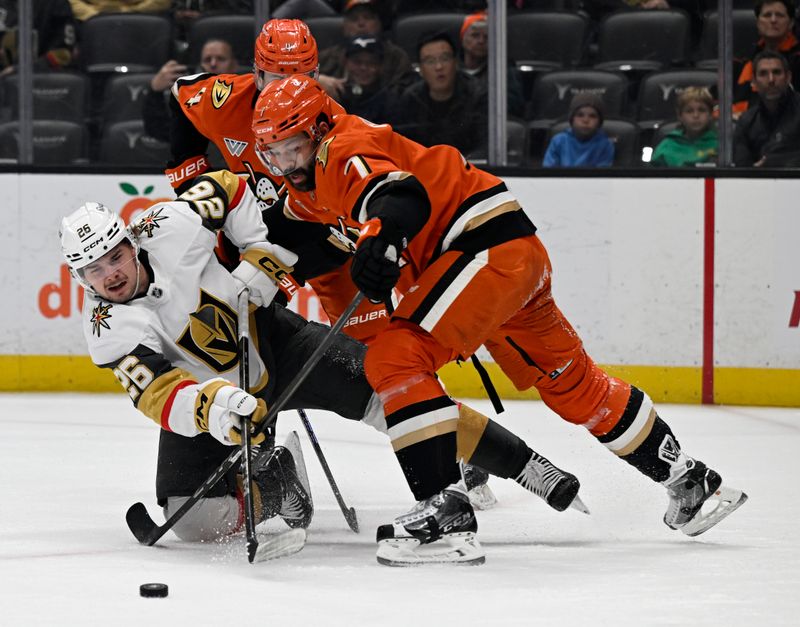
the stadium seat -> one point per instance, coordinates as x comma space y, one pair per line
745, 36
662, 131
327, 30
643, 40
125, 42
553, 91
408, 29
123, 96
658, 94
125, 143
516, 146
623, 133
56, 96
238, 30
55, 142
541, 41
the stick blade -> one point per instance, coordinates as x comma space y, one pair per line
352, 519
141, 525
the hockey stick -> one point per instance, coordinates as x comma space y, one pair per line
139, 521
349, 513
247, 467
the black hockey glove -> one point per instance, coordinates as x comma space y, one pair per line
375, 268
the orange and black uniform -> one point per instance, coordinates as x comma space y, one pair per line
743, 95
473, 272
219, 109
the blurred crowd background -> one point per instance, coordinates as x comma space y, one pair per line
589, 83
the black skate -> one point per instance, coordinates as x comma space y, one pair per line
478, 490
557, 487
440, 529
689, 492
283, 491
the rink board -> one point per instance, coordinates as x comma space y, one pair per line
629, 271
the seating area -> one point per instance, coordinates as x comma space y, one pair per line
638, 61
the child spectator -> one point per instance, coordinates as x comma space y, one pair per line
585, 143
695, 140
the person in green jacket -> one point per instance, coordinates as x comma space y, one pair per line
695, 140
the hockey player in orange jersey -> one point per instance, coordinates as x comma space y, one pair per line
220, 109
465, 257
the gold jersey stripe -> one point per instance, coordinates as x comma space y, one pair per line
426, 433
155, 397
640, 437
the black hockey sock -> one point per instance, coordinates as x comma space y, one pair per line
499, 452
642, 439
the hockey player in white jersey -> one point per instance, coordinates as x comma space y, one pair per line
160, 313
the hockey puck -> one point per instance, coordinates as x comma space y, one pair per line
153, 590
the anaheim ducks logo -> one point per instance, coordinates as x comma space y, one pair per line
211, 334
99, 318
322, 153
220, 92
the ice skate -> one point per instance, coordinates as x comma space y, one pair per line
441, 529
478, 490
557, 487
282, 481
696, 489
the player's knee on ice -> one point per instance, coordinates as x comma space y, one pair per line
209, 519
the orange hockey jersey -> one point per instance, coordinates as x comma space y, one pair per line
357, 158
219, 109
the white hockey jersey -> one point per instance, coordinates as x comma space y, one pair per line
167, 346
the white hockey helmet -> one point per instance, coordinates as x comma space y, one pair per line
90, 232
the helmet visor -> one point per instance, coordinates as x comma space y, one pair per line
287, 155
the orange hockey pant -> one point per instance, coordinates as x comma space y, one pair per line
502, 298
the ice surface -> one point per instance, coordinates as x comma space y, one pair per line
72, 464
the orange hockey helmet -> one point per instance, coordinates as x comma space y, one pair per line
289, 107
284, 48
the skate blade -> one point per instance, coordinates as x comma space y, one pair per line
280, 545
455, 548
482, 497
578, 504
727, 501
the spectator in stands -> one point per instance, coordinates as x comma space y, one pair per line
695, 140
475, 57
446, 107
84, 9
216, 57
768, 133
363, 18
584, 144
775, 22
54, 29
364, 93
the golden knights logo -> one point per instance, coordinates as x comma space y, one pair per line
220, 92
211, 334
149, 222
99, 317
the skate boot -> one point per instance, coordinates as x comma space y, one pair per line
478, 490
440, 529
282, 491
693, 488
557, 487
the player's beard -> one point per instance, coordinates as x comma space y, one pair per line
308, 181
